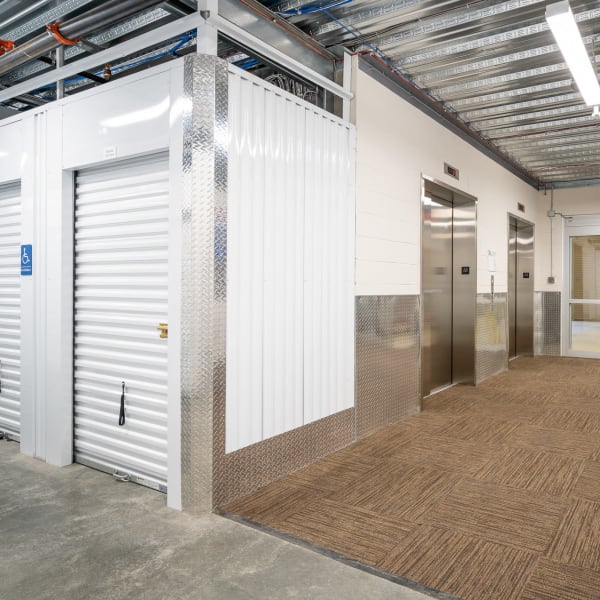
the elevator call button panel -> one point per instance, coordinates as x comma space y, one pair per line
525, 275
465, 270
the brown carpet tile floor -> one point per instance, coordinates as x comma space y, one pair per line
492, 492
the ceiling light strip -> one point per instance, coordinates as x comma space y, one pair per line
562, 24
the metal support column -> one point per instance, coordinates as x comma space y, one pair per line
59, 62
347, 85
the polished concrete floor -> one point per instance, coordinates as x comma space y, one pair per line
77, 534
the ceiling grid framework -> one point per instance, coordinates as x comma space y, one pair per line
142, 20
492, 67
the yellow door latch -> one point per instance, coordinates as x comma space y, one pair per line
164, 330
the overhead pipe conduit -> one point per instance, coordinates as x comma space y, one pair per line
6, 46
72, 29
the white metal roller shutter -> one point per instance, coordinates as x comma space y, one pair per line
10, 308
121, 294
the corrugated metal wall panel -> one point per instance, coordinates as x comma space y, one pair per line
329, 269
283, 266
290, 302
245, 277
121, 295
10, 308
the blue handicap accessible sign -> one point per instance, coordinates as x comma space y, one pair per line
26, 260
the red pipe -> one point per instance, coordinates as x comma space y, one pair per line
6, 46
52, 29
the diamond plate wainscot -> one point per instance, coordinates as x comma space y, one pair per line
546, 333
241, 472
491, 336
387, 360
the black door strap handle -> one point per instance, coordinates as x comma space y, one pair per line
122, 409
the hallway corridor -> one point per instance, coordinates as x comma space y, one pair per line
491, 492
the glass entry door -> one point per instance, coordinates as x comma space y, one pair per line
584, 293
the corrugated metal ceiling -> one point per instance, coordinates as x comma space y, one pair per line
493, 65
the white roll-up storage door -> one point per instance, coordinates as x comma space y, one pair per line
121, 293
10, 308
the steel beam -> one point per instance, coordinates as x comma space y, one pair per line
255, 20
264, 49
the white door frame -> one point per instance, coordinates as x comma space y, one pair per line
578, 225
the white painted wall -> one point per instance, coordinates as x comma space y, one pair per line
128, 119
43, 148
396, 145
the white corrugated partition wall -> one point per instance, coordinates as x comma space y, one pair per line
10, 308
290, 287
121, 296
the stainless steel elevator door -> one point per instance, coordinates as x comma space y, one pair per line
440, 295
448, 286
464, 288
520, 287
524, 329
512, 288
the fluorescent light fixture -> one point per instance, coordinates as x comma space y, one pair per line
562, 23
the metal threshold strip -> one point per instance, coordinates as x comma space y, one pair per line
356, 564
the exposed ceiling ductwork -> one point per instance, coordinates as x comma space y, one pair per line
73, 30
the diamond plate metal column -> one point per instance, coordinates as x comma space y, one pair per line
388, 377
491, 336
546, 333
204, 267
